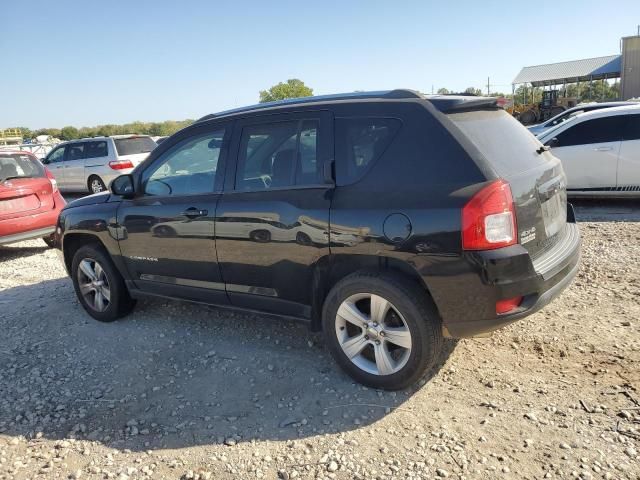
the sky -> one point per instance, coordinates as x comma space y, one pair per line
87, 63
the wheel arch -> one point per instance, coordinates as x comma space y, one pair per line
73, 241
330, 270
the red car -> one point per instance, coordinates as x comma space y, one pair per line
29, 199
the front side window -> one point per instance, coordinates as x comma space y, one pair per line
95, 149
598, 130
359, 142
188, 168
278, 155
75, 151
56, 156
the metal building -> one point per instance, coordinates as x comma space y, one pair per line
630, 86
625, 66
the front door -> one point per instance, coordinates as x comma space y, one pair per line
55, 163
167, 231
74, 167
273, 219
589, 153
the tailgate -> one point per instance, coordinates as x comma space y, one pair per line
20, 197
537, 181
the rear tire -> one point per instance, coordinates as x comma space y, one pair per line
528, 117
396, 350
99, 286
96, 185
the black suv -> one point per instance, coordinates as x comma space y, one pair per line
387, 219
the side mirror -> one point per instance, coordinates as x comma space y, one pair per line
45, 161
123, 186
554, 142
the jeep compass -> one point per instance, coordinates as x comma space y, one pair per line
388, 220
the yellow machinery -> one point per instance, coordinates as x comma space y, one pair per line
10, 136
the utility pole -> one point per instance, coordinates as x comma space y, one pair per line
488, 85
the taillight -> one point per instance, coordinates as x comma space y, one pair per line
52, 179
121, 164
489, 219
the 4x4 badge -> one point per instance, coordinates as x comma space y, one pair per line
527, 235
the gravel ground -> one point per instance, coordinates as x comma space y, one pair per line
184, 391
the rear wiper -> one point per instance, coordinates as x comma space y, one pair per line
542, 149
16, 176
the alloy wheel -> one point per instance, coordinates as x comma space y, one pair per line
373, 334
94, 284
96, 185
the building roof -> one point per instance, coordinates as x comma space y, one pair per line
573, 71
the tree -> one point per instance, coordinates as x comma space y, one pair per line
443, 91
69, 133
473, 91
294, 88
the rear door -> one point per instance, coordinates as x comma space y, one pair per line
96, 156
537, 180
74, 166
55, 163
24, 187
272, 224
629, 159
589, 153
167, 230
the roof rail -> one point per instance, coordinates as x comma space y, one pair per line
382, 94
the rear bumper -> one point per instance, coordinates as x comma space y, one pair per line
31, 226
507, 273
19, 237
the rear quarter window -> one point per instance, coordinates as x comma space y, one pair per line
359, 142
504, 142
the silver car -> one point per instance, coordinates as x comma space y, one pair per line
572, 112
91, 164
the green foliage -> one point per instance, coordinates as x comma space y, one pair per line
294, 88
68, 133
473, 91
142, 128
443, 91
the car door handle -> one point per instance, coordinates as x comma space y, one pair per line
603, 149
195, 213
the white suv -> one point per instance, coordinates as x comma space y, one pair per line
92, 163
599, 151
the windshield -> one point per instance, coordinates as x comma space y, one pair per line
134, 145
16, 165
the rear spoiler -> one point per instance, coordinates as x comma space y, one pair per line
462, 103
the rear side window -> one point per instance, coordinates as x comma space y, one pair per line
95, 149
598, 130
134, 145
278, 155
506, 145
359, 142
632, 129
16, 165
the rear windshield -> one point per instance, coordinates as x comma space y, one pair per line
507, 145
15, 165
133, 145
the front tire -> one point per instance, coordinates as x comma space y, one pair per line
382, 329
98, 284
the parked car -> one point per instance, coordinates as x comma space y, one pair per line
449, 219
600, 151
30, 201
91, 164
572, 112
